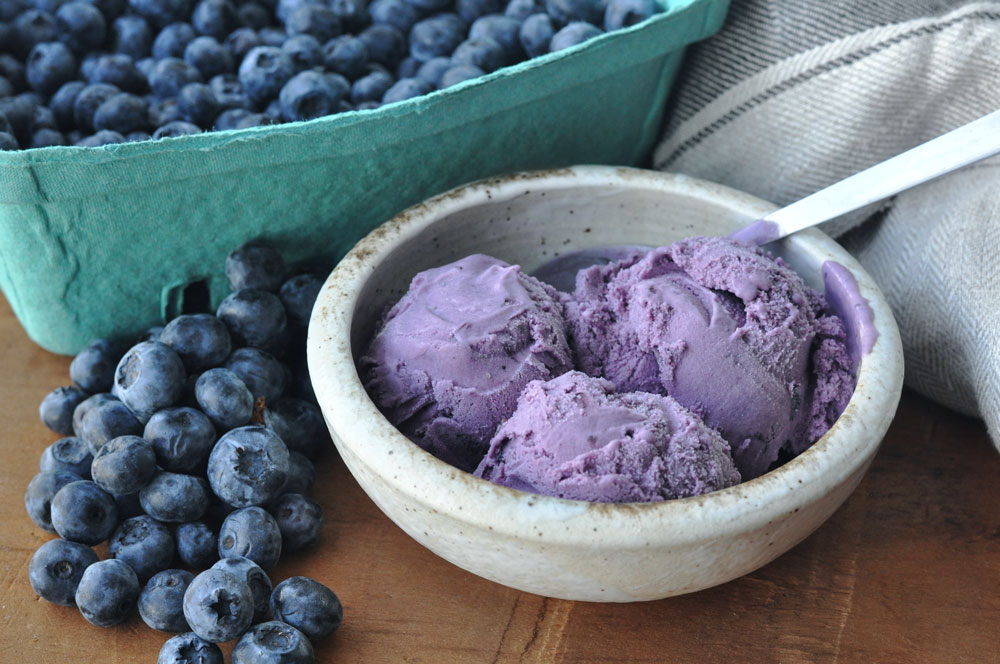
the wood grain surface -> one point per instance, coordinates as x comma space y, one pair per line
908, 570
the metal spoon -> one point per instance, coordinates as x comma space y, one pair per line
960, 147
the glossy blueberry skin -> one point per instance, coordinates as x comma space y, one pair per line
484, 53
201, 340
172, 40
254, 317
313, 19
124, 465
458, 73
105, 419
298, 295
56, 409
436, 36
396, 13
175, 129
218, 606
255, 577
305, 96
84, 107
251, 532
100, 138
299, 424
85, 407
197, 545
573, 34
209, 57
215, 18
248, 466
170, 75
189, 648
564, 12
522, 9
41, 490
162, 12
197, 105
119, 70
56, 568
49, 66
81, 26
107, 593
175, 497
263, 71
181, 438
132, 36
299, 518
224, 398
301, 474
536, 34
307, 605
70, 454
371, 87
273, 642
504, 30
406, 88
255, 265
386, 45
83, 512
150, 376
61, 104
123, 113
93, 368
144, 544
161, 602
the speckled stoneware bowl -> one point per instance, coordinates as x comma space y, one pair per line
563, 548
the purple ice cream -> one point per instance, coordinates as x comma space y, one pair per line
449, 360
728, 332
575, 437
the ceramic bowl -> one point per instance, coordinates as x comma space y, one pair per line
563, 548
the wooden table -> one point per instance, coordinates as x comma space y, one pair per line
908, 570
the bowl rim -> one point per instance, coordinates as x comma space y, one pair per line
359, 426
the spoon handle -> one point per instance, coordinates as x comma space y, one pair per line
960, 147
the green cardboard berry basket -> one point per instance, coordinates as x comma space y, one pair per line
105, 241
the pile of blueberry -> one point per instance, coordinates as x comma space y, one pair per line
96, 72
191, 454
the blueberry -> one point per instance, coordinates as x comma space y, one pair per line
197, 104
346, 55
253, 15
209, 57
128, 506
255, 317
396, 13
150, 376
484, 53
105, 420
175, 129
218, 606
224, 398
14, 71
437, 35
504, 30
20, 113
42, 488
254, 576
252, 533
152, 334
271, 36
189, 648
44, 118
231, 118
162, 12
175, 497
9, 9
119, 70
111, 9
371, 87
8, 141
164, 112
522, 9
570, 11
307, 605
181, 438
264, 70
56, 409
573, 34
305, 51
248, 466
215, 18
386, 44
62, 107
432, 71
624, 13
6, 87
470, 10
50, 65
298, 295
83, 512
33, 27
100, 138
459, 73
273, 642
161, 602
172, 40
93, 368
70, 454
197, 545
300, 520
284, 8
201, 340
301, 474
300, 425
313, 19
430, 6
56, 568
536, 34
123, 113
81, 26
124, 465
170, 75
305, 96
107, 593
408, 67
84, 407
132, 36
260, 371
240, 41
144, 544
136, 136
